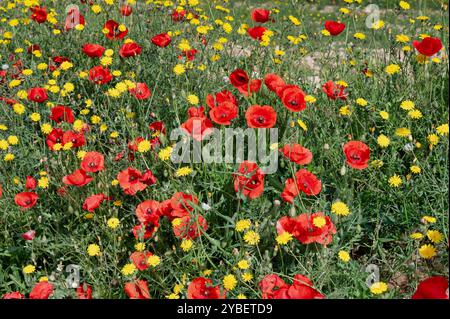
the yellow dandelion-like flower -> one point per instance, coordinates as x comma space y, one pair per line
433, 139
251, 237
93, 250
241, 296
144, 146
361, 102
9, 157
186, 244
113, 222
243, 264
392, 69
427, 251
153, 260
319, 221
344, 256
415, 169
407, 105
404, 5
192, 99
43, 182
429, 219
383, 141
284, 238
229, 282
246, 277
395, 181
165, 153
183, 171
403, 132
435, 236
128, 269
179, 69
442, 130
339, 208
29, 269
242, 225
139, 246
378, 288
416, 236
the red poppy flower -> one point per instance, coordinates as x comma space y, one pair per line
131, 180
41, 290
62, 113
273, 287
126, 10
202, 288
93, 50
258, 116
292, 97
428, 46
161, 40
198, 127
38, 14
93, 202
55, 137
224, 113
29, 235
84, 291
305, 182
178, 15
26, 200
93, 162
270, 284
238, 78
357, 153
256, 32
249, 180
220, 97
432, 288
141, 91
38, 95
260, 15
190, 227
148, 212
188, 54
196, 112
297, 154
113, 30
139, 259
130, 49
314, 228
148, 178
157, 128
290, 190
308, 183
251, 87
77, 139
74, 18
78, 178
137, 290
334, 91
30, 183
99, 75
334, 27
181, 204
13, 295
274, 82
143, 231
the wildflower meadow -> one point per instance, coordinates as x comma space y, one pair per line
212, 149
